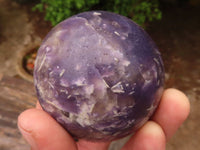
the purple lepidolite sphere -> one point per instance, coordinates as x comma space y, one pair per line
99, 75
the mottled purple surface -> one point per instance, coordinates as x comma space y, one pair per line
99, 75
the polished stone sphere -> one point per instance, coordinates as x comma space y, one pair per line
99, 75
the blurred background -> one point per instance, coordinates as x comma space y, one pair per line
173, 24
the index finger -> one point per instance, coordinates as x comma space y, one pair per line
172, 111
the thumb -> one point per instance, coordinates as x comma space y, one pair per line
42, 132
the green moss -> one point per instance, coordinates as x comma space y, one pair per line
140, 11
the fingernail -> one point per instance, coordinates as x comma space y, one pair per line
29, 138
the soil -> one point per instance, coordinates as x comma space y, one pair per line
177, 36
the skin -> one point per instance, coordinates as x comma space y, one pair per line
42, 132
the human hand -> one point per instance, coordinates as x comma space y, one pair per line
43, 133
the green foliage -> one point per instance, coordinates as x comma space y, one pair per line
146, 11
140, 11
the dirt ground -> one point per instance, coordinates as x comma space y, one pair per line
177, 36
